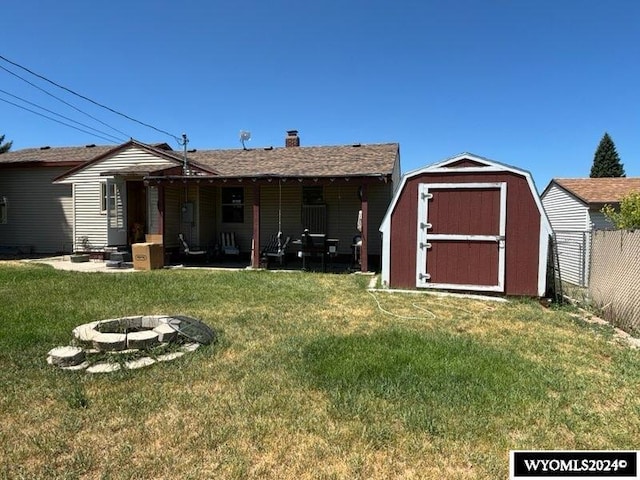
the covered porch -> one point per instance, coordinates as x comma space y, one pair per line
341, 216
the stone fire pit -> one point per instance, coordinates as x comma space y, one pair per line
138, 340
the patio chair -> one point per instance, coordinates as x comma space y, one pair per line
276, 248
228, 244
199, 255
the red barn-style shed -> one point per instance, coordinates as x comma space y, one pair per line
466, 223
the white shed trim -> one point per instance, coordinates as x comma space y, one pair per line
487, 166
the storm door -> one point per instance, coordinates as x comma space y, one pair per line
116, 200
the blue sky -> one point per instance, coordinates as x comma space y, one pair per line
531, 83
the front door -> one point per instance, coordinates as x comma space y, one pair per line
461, 236
116, 212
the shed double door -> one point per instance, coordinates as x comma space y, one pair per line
461, 236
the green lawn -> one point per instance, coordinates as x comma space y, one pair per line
309, 379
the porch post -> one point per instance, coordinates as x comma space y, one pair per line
364, 256
255, 258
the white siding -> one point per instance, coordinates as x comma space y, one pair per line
565, 211
131, 157
569, 218
40, 213
90, 223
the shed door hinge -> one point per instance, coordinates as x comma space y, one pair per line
424, 276
426, 196
424, 245
424, 225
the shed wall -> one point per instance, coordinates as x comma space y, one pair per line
522, 240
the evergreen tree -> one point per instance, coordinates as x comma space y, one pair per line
4, 147
606, 162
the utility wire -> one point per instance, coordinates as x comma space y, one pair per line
90, 100
116, 139
63, 101
54, 120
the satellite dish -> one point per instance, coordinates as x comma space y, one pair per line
245, 136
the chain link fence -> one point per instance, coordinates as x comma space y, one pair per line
614, 284
573, 248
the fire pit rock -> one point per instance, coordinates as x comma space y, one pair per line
130, 335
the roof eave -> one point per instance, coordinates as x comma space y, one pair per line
267, 176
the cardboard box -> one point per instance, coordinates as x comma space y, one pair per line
153, 238
147, 256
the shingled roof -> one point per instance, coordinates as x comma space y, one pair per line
317, 161
324, 161
53, 155
599, 190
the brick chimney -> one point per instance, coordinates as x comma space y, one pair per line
292, 140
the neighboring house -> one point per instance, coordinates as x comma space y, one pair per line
574, 206
132, 188
466, 223
36, 216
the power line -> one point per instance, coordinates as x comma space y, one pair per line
53, 119
90, 100
118, 140
63, 101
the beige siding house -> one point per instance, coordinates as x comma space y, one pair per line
117, 194
38, 215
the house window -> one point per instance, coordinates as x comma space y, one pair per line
108, 195
312, 196
314, 211
4, 207
233, 205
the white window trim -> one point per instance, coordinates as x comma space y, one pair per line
103, 196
